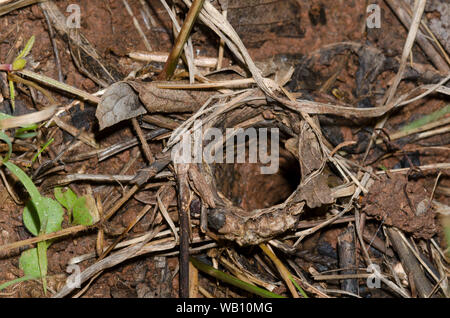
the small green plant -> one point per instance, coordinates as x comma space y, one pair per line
42, 215
18, 64
77, 207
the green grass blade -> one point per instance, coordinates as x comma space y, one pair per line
427, 119
12, 95
26, 50
6, 139
42, 149
26, 181
298, 287
232, 280
15, 281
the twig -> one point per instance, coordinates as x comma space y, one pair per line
61, 86
284, 272
183, 211
82, 135
347, 258
107, 262
103, 154
163, 208
70, 178
188, 47
55, 48
172, 61
410, 263
161, 57
145, 147
224, 5
12, 5
434, 166
45, 237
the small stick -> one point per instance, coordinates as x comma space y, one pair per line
434, 166
161, 57
194, 288
347, 258
183, 210
81, 134
284, 272
58, 85
147, 152
410, 263
55, 48
45, 237
174, 56
224, 5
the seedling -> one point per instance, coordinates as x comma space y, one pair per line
18, 64
42, 215
48, 143
78, 207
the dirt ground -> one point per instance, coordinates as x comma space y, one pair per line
287, 30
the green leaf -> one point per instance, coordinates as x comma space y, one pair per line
19, 64
25, 129
26, 181
50, 215
31, 219
36, 197
26, 50
29, 263
6, 139
12, 95
26, 135
54, 215
81, 214
67, 199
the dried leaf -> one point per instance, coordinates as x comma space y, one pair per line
119, 103
159, 100
316, 192
200, 186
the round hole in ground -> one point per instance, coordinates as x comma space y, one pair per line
248, 188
